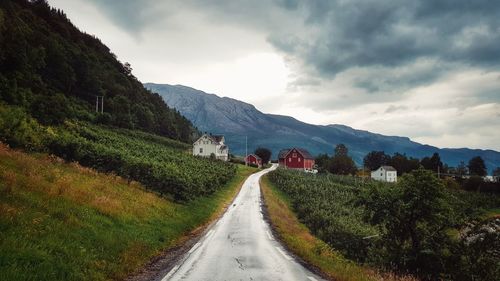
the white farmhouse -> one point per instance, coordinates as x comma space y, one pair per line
207, 145
385, 173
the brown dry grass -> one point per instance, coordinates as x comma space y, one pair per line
84, 186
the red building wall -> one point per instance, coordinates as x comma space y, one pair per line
309, 164
295, 160
251, 159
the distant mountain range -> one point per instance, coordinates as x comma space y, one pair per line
236, 119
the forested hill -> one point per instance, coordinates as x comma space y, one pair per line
54, 71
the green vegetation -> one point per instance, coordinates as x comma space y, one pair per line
327, 205
467, 177
55, 72
416, 226
160, 164
154, 161
340, 163
314, 251
264, 154
477, 167
64, 222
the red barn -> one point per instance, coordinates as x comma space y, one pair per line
253, 159
296, 158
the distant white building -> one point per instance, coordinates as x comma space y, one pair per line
385, 173
207, 145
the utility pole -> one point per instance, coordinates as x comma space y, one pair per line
97, 104
246, 150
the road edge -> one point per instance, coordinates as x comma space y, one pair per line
364, 273
160, 265
265, 212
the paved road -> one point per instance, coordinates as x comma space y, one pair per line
240, 246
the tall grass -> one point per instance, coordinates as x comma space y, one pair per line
65, 222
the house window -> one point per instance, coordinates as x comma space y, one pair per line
289, 159
294, 155
201, 150
381, 174
299, 159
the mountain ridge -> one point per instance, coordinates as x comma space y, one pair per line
237, 119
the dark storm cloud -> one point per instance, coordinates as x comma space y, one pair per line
392, 33
349, 33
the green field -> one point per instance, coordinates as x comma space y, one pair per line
370, 223
62, 221
161, 164
298, 238
327, 205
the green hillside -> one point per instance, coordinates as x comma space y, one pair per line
50, 75
54, 71
62, 221
163, 165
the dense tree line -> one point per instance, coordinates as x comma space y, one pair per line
54, 71
404, 164
465, 176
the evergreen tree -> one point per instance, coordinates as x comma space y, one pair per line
341, 163
477, 167
264, 154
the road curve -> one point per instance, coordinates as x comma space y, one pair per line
240, 246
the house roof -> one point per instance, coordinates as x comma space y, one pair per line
214, 138
302, 151
388, 168
305, 153
283, 153
254, 155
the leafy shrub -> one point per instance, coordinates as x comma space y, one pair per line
19, 130
413, 226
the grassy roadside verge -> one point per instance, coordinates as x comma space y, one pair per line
61, 221
302, 243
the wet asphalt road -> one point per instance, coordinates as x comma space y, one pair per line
240, 246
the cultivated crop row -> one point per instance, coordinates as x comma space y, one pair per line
162, 165
328, 206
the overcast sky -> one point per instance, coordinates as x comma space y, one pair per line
426, 69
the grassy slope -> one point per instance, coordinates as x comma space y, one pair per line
300, 241
64, 222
